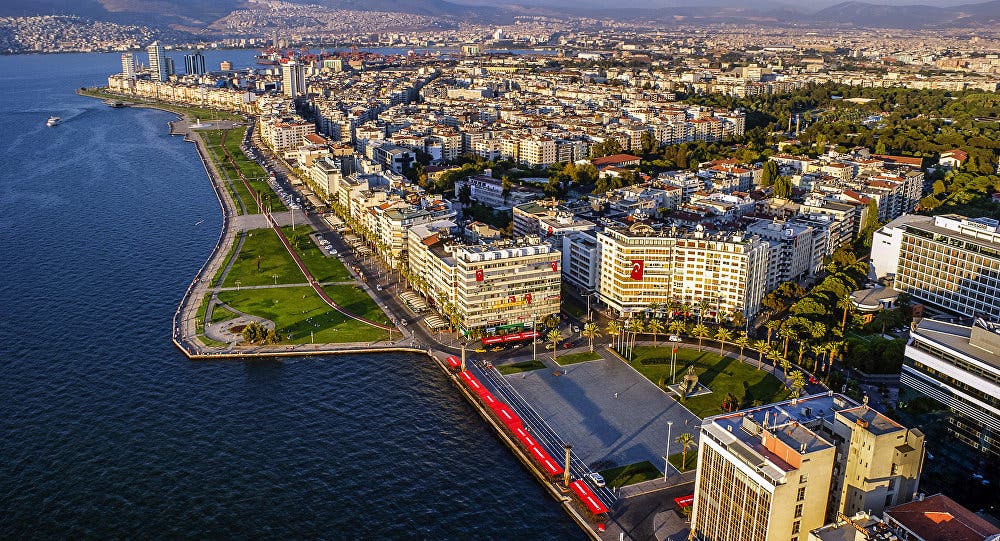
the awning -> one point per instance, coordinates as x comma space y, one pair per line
525, 438
545, 461
507, 416
588, 498
684, 501
472, 382
454, 361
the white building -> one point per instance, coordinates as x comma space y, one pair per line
157, 62
293, 79
640, 266
791, 255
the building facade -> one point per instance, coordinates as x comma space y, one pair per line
640, 266
959, 366
293, 79
158, 68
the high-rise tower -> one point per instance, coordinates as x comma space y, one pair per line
128, 66
293, 79
157, 61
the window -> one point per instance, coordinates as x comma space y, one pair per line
796, 526
803, 478
802, 494
798, 511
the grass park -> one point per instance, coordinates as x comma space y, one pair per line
190, 112
517, 368
254, 173
263, 260
630, 474
723, 375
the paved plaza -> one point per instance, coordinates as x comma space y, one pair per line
611, 414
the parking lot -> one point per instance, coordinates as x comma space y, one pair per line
611, 414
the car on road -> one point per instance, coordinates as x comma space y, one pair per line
480, 350
674, 338
378, 288
813, 380
597, 479
403, 322
576, 328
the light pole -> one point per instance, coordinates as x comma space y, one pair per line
534, 340
569, 449
275, 276
589, 295
666, 458
237, 285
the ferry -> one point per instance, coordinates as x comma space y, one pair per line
52, 121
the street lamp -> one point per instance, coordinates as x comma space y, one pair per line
589, 295
666, 457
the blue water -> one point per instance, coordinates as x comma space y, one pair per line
106, 431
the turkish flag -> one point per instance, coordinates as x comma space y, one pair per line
550, 230
555, 266
637, 265
479, 275
527, 298
512, 299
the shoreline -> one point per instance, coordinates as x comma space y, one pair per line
184, 322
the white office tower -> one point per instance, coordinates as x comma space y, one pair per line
157, 62
293, 79
128, 66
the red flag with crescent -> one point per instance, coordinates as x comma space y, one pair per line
479, 275
527, 298
637, 265
550, 230
555, 266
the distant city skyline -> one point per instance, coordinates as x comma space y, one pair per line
755, 4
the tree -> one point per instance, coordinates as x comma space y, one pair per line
635, 327
703, 306
798, 382
648, 141
845, 303
723, 335
591, 331
772, 325
783, 188
555, 336
817, 351
870, 223
687, 441
701, 332
742, 341
785, 365
763, 349
769, 173
787, 332
880, 147
614, 330
938, 187
655, 327
677, 327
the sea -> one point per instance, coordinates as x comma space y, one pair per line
108, 432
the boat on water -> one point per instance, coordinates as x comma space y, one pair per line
52, 121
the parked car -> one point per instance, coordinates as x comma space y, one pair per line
674, 338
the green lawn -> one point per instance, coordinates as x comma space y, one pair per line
516, 368
721, 374
199, 318
221, 314
251, 170
191, 111
298, 310
574, 358
277, 266
690, 464
631, 474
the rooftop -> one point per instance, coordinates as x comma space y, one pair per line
939, 518
980, 342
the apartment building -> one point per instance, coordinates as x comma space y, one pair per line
284, 133
640, 265
949, 261
791, 256
489, 191
776, 472
959, 366
493, 288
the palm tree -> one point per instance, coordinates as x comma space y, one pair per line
743, 341
835, 348
798, 382
670, 306
655, 327
775, 357
677, 327
785, 365
555, 336
723, 335
614, 330
591, 331
763, 349
787, 332
818, 350
701, 332
772, 325
685, 309
846, 303
738, 319
635, 327
653, 308
687, 441
703, 306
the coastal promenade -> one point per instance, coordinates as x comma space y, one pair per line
413, 338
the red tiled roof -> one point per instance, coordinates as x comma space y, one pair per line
939, 518
616, 159
906, 160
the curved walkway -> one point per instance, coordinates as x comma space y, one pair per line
291, 251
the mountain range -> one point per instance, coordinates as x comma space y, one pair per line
201, 13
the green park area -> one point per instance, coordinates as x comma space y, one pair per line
516, 368
188, 111
573, 358
253, 172
723, 375
684, 462
630, 474
263, 260
298, 311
